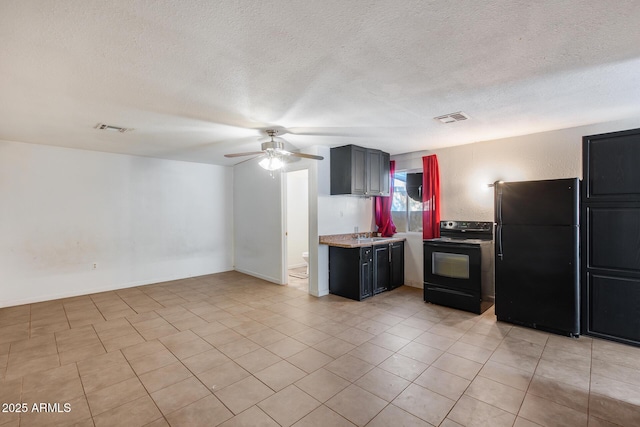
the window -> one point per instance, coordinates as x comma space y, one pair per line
405, 210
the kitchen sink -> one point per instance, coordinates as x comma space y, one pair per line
373, 239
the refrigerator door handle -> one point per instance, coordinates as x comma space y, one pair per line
499, 203
498, 188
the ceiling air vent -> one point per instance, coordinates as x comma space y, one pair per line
452, 117
102, 126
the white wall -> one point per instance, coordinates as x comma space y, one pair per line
259, 229
466, 170
297, 217
141, 220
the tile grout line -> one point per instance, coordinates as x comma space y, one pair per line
325, 313
533, 374
471, 381
142, 384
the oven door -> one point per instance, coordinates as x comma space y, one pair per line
452, 265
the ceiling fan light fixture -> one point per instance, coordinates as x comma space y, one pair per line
275, 154
271, 163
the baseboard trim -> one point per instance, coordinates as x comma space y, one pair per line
414, 284
98, 289
259, 276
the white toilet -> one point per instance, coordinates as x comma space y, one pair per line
305, 255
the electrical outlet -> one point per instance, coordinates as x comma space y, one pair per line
355, 229
95, 265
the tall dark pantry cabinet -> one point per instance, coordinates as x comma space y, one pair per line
611, 236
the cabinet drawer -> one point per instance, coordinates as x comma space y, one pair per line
452, 298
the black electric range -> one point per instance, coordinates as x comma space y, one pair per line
458, 266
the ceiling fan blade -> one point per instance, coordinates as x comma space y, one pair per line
252, 153
246, 160
322, 131
303, 155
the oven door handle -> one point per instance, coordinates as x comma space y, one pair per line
452, 246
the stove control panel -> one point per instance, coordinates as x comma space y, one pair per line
448, 225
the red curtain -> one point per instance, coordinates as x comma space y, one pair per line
383, 208
430, 197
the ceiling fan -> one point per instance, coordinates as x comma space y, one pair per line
275, 156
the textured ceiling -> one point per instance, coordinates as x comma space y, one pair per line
197, 79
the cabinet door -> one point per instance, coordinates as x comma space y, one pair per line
613, 307
397, 265
610, 244
358, 170
610, 162
366, 261
348, 170
374, 165
381, 268
345, 271
385, 173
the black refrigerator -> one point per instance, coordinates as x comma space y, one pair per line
536, 254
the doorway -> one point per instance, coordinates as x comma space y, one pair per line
297, 229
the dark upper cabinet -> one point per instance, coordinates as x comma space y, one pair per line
397, 265
610, 165
359, 171
385, 177
610, 240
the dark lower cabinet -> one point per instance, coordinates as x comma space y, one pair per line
358, 273
350, 272
381, 268
366, 270
610, 218
397, 265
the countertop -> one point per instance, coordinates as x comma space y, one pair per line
350, 241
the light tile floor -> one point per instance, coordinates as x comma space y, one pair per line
298, 279
232, 350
